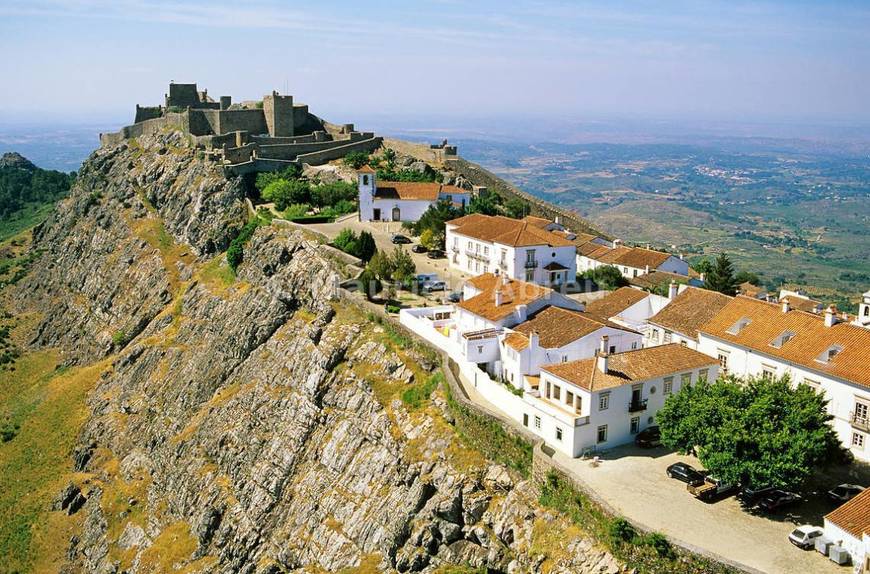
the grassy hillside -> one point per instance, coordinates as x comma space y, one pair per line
27, 193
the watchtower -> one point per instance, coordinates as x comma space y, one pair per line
367, 186
279, 114
182, 95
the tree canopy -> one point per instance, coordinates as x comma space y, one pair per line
606, 277
721, 276
434, 218
759, 432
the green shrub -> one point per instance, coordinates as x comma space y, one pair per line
394, 309
119, 338
296, 210
235, 252
660, 544
621, 530
417, 394
284, 192
356, 159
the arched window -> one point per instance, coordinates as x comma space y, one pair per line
365, 180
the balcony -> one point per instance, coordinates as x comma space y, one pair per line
502, 265
476, 255
531, 264
637, 406
454, 249
860, 421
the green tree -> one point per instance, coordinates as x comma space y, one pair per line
747, 277
356, 159
366, 247
758, 432
381, 266
284, 192
517, 208
369, 283
484, 203
703, 266
347, 241
721, 277
606, 277
403, 267
435, 217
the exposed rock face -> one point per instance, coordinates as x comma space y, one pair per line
252, 426
16, 160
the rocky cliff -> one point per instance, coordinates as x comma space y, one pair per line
250, 422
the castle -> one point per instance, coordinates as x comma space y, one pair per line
248, 137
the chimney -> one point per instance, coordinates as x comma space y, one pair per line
601, 359
522, 312
534, 340
646, 269
498, 298
505, 279
830, 316
785, 305
672, 290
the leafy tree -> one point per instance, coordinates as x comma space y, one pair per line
428, 239
347, 241
721, 277
747, 277
356, 159
759, 432
333, 193
370, 284
289, 173
27, 185
517, 208
296, 210
606, 277
366, 247
286, 192
235, 252
435, 217
407, 175
484, 203
403, 267
703, 266
380, 266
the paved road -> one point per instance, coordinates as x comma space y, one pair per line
634, 483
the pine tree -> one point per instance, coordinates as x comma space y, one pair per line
721, 276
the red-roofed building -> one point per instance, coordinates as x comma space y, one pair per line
402, 200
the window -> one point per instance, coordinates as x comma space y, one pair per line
684, 343
703, 374
579, 405
602, 434
634, 345
655, 335
857, 440
862, 411
365, 180
486, 250
783, 338
603, 401
537, 422
635, 272
738, 326
558, 434
768, 372
669, 386
667, 336
564, 358
556, 392
723, 361
829, 354
685, 380
635, 425
612, 349
525, 419
549, 387
530, 256
569, 397
480, 349
530, 275
814, 385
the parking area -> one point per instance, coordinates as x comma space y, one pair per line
634, 482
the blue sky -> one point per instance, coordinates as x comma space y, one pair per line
794, 61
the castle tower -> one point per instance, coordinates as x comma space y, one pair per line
279, 114
367, 187
863, 318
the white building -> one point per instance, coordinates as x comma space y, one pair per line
863, 317
631, 261
531, 249
756, 338
612, 397
557, 335
849, 526
679, 321
628, 307
402, 200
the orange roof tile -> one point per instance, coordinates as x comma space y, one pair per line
366, 169
513, 293
811, 340
689, 310
556, 327
636, 257
507, 231
414, 190
631, 366
616, 302
655, 279
853, 516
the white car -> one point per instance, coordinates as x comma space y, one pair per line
805, 536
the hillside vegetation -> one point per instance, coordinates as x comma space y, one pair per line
27, 193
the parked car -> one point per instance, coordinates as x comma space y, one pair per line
455, 297
684, 473
805, 536
435, 286
649, 437
399, 239
776, 499
417, 248
423, 278
750, 495
436, 254
845, 492
711, 489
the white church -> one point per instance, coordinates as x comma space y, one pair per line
402, 200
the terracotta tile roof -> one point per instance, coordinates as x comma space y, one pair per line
751, 290
513, 293
853, 516
556, 327
655, 279
689, 310
539, 222
616, 302
554, 266
414, 190
811, 340
507, 231
808, 305
631, 366
583, 238
636, 257
592, 250
366, 169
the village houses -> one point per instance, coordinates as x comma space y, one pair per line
631, 261
849, 527
679, 321
402, 200
628, 307
532, 249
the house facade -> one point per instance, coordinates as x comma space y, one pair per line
631, 261
402, 200
531, 249
679, 321
849, 527
750, 337
612, 397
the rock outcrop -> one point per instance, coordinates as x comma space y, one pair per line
253, 424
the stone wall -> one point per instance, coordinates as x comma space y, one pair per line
319, 157
176, 121
279, 115
478, 175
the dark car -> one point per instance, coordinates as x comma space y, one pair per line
419, 249
398, 239
684, 473
750, 495
455, 297
435, 254
776, 499
844, 492
649, 437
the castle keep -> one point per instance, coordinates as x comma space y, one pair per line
249, 136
